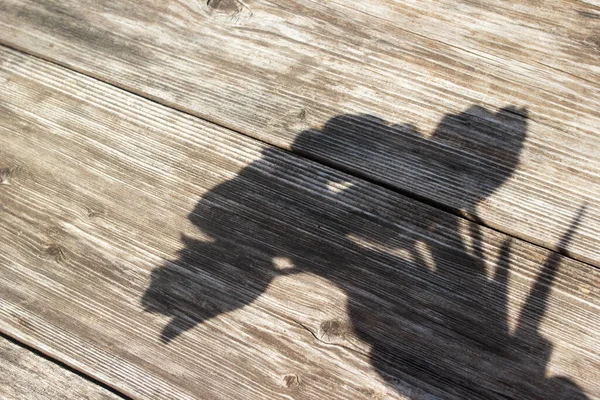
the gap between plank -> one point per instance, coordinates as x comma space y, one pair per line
64, 366
311, 157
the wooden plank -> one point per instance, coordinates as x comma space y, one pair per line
27, 376
274, 69
171, 258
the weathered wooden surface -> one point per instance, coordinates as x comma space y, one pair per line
27, 376
273, 69
171, 258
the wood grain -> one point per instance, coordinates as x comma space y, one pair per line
274, 69
171, 258
27, 376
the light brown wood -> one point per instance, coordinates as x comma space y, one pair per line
170, 258
27, 376
274, 69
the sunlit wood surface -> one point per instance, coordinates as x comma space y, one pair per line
302, 199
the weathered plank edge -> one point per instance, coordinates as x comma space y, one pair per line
46, 357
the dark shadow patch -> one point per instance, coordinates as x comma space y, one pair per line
440, 327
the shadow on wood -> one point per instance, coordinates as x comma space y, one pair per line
441, 324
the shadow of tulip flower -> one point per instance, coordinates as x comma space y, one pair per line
440, 324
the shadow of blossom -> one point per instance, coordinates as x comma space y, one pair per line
439, 323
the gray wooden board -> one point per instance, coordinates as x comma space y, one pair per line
172, 258
274, 69
27, 376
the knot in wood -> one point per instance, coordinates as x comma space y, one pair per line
226, 6
56, 252
291, 381
332, 329
233, 11
7, 175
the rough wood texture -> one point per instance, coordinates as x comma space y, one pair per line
27, 376
171, 258
274, 69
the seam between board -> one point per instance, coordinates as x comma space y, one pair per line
310, 157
